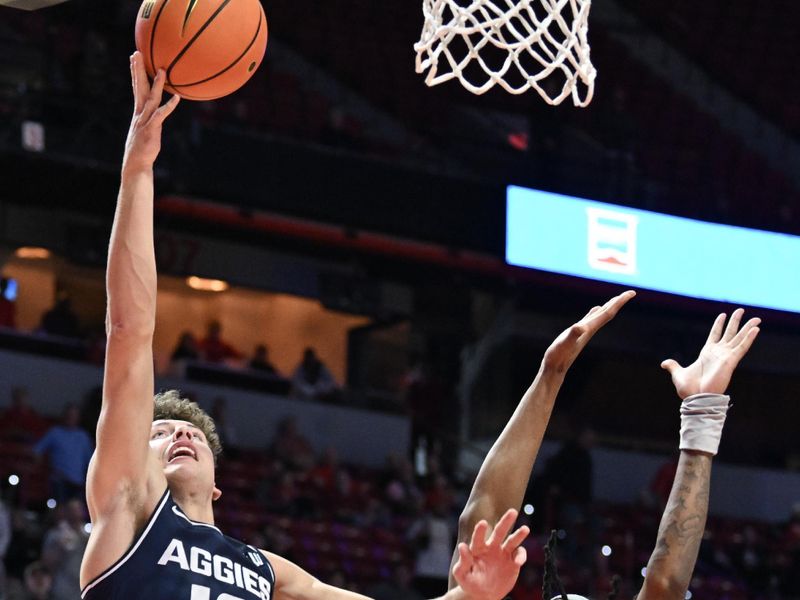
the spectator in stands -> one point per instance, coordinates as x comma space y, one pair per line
432, 534
568, 475
657, 493
323, 475
312, 380
62, 550
37, 584
569, 471
213, 348
186, 349
426, 397
68, 449
397, 588
26, 541
440, 493
401, 490
20, 422
347, 498
291, 447
260, 361
8, 310
61, 320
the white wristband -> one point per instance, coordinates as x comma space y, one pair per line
702, 419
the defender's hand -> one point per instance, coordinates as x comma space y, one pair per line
144, 135
711, 372
487, 569
567, 346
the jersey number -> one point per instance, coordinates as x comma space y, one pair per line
201, 592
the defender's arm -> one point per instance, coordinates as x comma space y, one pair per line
504, 474
703, 413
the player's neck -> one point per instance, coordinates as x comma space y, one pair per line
196, 506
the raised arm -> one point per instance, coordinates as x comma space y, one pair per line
487, 568
504, 474
701, 387
118, 466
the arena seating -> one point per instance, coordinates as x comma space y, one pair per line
324, 544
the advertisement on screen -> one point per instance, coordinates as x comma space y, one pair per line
647, 250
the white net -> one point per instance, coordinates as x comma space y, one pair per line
516, 44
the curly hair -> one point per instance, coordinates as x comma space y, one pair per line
170, 405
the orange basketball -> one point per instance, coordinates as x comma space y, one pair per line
208, 48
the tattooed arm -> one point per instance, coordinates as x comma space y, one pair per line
672, 563
681, 531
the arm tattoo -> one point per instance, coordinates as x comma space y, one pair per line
683, 524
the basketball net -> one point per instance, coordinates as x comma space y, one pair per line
538, 40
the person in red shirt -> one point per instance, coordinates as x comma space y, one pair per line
214, 349
20, 422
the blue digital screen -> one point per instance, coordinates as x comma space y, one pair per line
648, 250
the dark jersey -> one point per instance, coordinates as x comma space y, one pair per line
176, 558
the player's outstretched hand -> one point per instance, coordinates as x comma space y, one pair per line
567, 346
488, 568
144, 135
725, 347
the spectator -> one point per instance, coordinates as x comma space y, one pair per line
323, 475
61, 320
312, 380
260, 361
433, 535
397, 588
569, 479
37, 584
8, 310
291, 447
213, 348
68, 449
657, 493
401, 490
62, 550
569, 471
426, 398
186, 348
26, 540
20, 422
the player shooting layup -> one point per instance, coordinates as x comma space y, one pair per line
153, 534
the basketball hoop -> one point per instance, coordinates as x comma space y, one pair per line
516, 44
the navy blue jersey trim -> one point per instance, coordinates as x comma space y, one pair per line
132, 548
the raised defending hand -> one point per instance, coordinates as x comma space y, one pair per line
144, 135
488, 568
711, 372
567, 346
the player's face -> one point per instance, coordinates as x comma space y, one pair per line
183, 450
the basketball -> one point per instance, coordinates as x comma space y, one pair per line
208, 48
